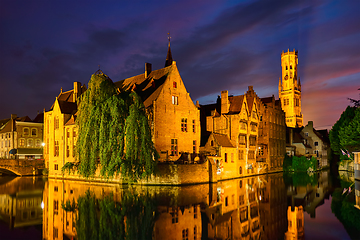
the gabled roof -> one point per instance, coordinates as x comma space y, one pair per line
267, 99
3, 122
148, 88
222, 140
236, 103
71, 121
67, 107
39, 118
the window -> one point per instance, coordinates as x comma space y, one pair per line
56, 123
195, 212
226, 201
37, 143
253, 127
184, 124
252, 140
212, 143
251, 154
316, 143
174, 216
194, 146
26, 131
225, 157
232, 157
241, 154
306, 134
185, 234
67, 151
240, 172
56, 167
241, 199
242, 139
56, 189
56, 149
174, 84
30, 143
174, 147
22, 142
243, 125
56, 207
240, 183
193, 125
34, 132
175, 100
195, 233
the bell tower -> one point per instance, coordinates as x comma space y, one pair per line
290, 89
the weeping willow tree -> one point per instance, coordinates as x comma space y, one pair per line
113, 132
131, 217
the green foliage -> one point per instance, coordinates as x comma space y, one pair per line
45, 171
133, 217
113, 132
342, 205
300, 179
69, 206
70, 167
299, 164
349, 135
338, 141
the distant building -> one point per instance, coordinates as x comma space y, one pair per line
290, 89
246, 132
308, 142
21, 138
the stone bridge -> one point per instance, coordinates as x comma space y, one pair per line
21, 167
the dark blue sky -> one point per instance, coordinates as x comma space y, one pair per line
46, 45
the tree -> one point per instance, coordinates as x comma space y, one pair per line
113, 131
334, 135
349, 135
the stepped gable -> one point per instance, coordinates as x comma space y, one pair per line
148, 88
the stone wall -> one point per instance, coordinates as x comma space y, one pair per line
22, 167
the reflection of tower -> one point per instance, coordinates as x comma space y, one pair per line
290, 89
295, 223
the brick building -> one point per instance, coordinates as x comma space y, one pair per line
173, 117
252, 133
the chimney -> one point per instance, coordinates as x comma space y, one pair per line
311, 124
77, 89
147, 69
13, 116
224, 102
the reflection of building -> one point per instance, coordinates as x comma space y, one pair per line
21, 137
295, 223
290, 89
273, 206
20, 202
234, 209
357, 165
357, 194
312, 194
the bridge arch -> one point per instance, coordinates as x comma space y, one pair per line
9, 171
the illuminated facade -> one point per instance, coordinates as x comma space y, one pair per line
21, 138
246, 132
290, 89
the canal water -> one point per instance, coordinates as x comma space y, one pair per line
274, 206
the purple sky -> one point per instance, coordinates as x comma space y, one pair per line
46, 45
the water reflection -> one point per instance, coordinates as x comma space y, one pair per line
20, 201
261, 207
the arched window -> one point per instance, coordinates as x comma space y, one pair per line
30, 143
26, 131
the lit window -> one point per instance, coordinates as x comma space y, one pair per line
175, 100
22, 142
193, 122
184, 124
56, 149
174, 147
30, 143
174, 84
37, 143
194, 146
225, 157
316, 143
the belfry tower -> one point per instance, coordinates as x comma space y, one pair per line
290, 89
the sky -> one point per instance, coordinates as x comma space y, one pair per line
217, 45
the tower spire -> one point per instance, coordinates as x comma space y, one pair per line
169, 60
